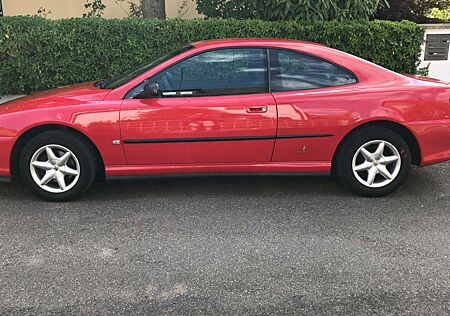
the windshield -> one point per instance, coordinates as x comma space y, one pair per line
118, 81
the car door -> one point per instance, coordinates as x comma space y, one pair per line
214, 107
313, 98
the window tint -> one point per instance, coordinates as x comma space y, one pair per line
220, 72
295, 71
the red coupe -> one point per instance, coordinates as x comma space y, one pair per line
230, 106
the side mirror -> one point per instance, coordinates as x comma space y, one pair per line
151, 90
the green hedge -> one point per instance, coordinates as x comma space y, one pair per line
37, 54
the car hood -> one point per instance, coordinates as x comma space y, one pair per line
64, 96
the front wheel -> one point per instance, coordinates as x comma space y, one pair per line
374, 162
57, 166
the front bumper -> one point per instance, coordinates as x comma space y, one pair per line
6, 146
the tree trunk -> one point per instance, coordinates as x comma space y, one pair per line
154, 9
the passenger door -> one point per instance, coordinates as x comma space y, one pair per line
214, 107
312, 96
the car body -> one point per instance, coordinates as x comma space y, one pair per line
270, 127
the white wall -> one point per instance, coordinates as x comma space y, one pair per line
75, 8
439, 69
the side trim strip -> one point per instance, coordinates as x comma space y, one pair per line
219, 139
304, 136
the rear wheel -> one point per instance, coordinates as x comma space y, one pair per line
374, 162
58, 166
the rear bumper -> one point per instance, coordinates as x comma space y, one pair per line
434, 140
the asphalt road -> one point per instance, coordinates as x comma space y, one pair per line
237, 245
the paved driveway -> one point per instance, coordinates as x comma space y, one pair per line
233, 245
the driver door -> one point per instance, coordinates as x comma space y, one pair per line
214, 107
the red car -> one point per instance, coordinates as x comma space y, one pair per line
230, 106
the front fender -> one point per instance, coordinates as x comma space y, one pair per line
98, 121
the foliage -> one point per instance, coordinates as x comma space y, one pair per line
136, 10
443, 14
96, 9
43, 13
37, 54
413, 10
424, 71
297, 10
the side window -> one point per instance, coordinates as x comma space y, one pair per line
291, 71
220, 72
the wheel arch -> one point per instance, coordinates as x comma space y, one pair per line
400, 129
32, 132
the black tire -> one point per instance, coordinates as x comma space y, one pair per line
351, 145
79, 147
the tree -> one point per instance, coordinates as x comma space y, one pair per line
443, 14
142, 8
413, 10
299, 10
154, 9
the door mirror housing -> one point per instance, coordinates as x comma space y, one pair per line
151, 90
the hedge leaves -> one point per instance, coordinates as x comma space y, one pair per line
38, 54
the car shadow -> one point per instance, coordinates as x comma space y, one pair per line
225, 186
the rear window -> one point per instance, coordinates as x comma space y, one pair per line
290, 71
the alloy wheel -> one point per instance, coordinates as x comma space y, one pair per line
55, 168
376, 164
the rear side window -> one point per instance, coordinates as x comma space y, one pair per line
220, 72
290, 71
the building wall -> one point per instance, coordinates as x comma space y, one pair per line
75, 8
439, 69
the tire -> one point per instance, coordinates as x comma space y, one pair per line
373, 172
48, 175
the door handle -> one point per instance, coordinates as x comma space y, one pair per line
257, 109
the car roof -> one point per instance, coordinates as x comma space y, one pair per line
251, 42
